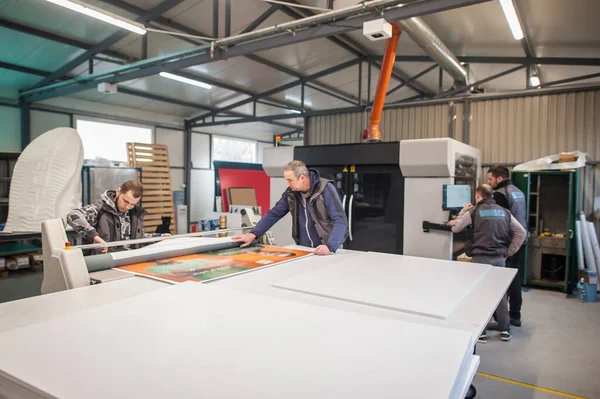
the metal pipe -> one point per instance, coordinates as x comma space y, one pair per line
435, 48
156, 239
382, 84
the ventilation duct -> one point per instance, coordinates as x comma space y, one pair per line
435, 48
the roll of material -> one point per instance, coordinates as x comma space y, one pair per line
595, 246
590, 262
579, 243
152, 253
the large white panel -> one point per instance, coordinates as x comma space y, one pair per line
177, 179
355, 282
174, 139
202, 189
41, 122
193, 338
423, 201
200, 155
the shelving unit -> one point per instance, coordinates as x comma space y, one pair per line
551, 203
7, 164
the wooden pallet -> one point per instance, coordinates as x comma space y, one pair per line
156, 177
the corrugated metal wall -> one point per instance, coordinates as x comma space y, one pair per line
396, 124
509, 131
515, 130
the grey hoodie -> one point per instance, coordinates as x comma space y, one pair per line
103, 219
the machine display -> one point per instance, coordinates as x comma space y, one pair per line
455, 196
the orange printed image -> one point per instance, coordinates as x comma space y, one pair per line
213, 265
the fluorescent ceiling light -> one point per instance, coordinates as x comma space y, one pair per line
101, 14
513, 20
534, 80
185, 80
295, 111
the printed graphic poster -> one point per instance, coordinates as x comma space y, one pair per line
213, 265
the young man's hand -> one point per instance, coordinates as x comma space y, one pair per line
99, 240
246, 239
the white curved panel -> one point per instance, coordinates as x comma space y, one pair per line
46, 182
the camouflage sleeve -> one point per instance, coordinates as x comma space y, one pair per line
83, 220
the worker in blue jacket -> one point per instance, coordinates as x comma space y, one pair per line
318, 218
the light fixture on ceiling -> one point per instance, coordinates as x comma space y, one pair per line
534, 80
185, 80
101, 14
511, 17
295, 111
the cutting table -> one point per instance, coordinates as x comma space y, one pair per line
397, 307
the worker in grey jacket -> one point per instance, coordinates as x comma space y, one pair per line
508, 196
496, 236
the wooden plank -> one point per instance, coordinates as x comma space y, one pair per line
164, 209
156, 199
159, 183
158, 192
146, 164
157, 217
150, 168
154, 175
159, 179
157, 204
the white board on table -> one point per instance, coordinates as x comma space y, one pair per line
422, 286
192, 340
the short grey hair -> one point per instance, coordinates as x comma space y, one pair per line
298, 167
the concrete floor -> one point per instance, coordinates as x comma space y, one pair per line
555, 349
21, 284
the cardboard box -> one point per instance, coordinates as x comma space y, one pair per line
19, 262
36, 258
4, 274
566, 157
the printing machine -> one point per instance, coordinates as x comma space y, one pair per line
349, 302
411, 219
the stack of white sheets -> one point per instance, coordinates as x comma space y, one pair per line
194, 340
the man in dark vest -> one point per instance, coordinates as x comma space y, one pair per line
115, 217
510, 197
496, 235
318, 218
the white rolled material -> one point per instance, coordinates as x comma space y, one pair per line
590, 262
579, 243
595, 246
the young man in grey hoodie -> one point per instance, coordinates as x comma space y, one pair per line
115, 217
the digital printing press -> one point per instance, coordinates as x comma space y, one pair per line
352, 324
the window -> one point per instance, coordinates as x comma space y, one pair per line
233, 150
109, 140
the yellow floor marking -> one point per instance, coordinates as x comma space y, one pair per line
522, 384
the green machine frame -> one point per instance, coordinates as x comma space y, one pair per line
533, 186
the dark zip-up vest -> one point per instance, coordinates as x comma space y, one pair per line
516, 202
315, 205
491, 229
